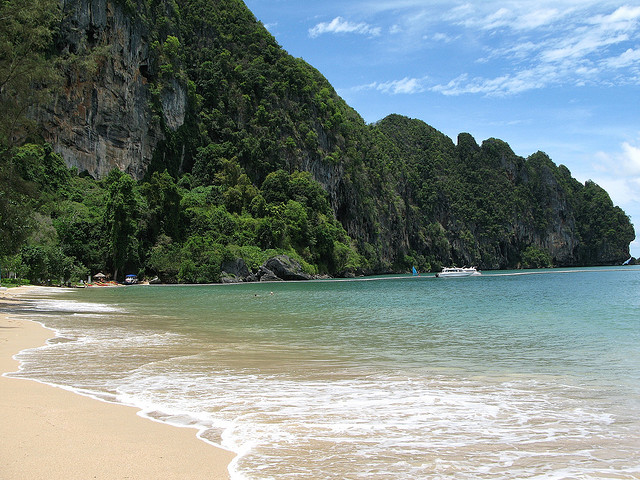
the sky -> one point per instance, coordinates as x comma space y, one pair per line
560, 76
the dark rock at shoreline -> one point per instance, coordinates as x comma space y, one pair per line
266, 275
286, 268
230, 279
324, 276
235, 268
252, 278
347, 275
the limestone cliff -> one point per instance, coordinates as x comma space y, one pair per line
484, 205
103, 119
203, 89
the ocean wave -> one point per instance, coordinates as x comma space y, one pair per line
274, 422
74, 306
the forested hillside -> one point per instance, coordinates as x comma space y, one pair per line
194, 140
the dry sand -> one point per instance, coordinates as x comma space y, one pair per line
51, 433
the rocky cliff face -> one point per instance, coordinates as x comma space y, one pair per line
559, 237
557, 232
104, 119
484, 205
547, 223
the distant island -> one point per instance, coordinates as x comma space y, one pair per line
141, 138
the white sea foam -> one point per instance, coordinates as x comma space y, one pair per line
366, 420
75, 307
283, 427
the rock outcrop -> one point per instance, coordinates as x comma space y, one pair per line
235, 268
103, 119
275, 269
286, 268
266, 275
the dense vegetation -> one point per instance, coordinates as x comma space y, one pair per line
159, 227
269, 160
499, 209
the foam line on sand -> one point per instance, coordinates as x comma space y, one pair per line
53, 433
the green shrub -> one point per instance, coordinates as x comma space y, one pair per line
534, 257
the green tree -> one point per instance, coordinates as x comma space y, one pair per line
295, 216
275, 188
35, 260
121, 219
80, 231
41, 165
27, 78
163, 201
27, 75
605, 229
15, 213
48, 264
165, 260
534, 257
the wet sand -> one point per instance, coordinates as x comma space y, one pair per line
51, 433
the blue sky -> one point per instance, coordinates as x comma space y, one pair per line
558, 76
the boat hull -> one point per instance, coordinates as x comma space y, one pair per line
457, 273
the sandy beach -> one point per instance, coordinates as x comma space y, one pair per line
51, 433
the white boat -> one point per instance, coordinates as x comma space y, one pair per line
456, 272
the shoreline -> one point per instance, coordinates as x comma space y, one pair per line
54, 433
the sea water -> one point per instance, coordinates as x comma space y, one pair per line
502, 376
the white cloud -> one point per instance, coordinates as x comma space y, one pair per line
578, 50
629, 58
631, 159
583, 44
340, 25
515, 16
518, 52
590, 37
443, 37
621, 18
625, 163
538, 18
406, 86
502, 17
533, 44
504, 85
619, 174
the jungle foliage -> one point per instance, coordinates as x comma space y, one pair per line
162, 227
269, 160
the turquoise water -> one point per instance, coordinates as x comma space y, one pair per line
500, 376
